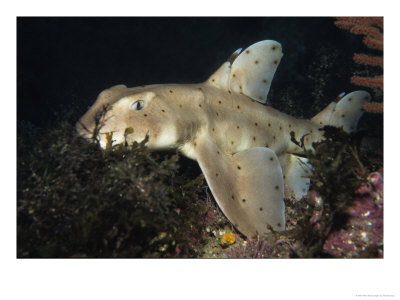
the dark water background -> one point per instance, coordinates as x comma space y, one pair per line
65, 62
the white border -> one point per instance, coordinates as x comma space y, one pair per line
195, 279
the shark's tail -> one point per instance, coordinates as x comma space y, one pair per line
345, 113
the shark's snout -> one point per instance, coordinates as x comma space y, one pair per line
83, 130
87, 124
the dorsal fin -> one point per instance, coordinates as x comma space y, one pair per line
251, 71
346, 113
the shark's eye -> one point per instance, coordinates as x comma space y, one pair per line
137, 105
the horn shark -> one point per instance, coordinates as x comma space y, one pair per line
242, 146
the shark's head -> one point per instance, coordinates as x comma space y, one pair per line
122, 114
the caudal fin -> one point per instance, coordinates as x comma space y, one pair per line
346, 113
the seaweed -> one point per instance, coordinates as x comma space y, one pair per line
76, 200
339, 167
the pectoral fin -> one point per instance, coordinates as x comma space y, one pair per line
248, 186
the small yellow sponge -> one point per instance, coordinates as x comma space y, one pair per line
228, 239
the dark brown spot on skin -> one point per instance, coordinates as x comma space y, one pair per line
199, 105
237, 127
243, 200
145, 115
290, 125
256, 123
213, 80
232, 142
171, 91
280, 127
343, 116
216, 174
213, 129
274, 137
238, 167
238, 107
229, 92
200, 88
277, 187
320, 123
271, 158
180, 105
240, 87
273, 48
265, 81
233, 197
256, 62
267, 145
275, 61
194, 144
279, 224
261, 208
284, 177
254, 138
217, 152
260, 97
163, 110
217, 114
269, 124
234, 75
311, 131
219, 102
350, 99
247, 51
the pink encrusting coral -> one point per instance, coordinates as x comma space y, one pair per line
251, 249
363, 230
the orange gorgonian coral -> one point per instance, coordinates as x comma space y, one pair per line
372, 29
